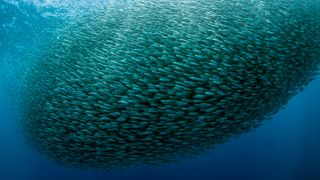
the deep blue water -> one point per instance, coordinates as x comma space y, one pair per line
285, 148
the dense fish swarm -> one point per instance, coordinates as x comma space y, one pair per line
150, 81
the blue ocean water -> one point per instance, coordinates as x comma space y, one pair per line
285, 148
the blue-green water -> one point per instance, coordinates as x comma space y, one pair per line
285, 147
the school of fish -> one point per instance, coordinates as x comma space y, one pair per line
139, 82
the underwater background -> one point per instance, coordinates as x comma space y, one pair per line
287, 147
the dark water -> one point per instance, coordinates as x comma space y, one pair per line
285, 148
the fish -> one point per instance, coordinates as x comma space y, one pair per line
164, 80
